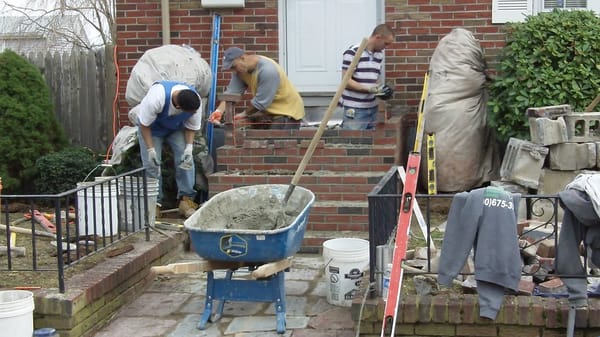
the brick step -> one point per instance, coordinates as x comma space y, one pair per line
327, 185
386, 134
286, 156
313, 240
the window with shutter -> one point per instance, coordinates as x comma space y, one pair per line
565, 4
516, 10
511, 10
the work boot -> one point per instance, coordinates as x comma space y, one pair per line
187, 206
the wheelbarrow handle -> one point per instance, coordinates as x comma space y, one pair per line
194, 267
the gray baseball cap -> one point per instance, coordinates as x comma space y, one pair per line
230, 55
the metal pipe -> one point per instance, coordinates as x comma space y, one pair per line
166, 23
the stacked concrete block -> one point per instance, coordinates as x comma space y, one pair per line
563, 144
546, 131
583, 127
572, 156
523, 162
572, 137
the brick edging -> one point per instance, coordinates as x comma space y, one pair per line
458, 315
91, 298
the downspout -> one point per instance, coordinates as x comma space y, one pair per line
166, 24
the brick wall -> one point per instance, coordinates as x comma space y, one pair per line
419, 25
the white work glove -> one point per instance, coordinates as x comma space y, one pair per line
374, 90
153, 159
187, 159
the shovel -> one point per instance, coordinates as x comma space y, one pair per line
323, 125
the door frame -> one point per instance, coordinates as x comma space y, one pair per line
282, 31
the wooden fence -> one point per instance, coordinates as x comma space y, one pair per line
82, 84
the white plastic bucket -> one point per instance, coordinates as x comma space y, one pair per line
346, 260
131, 202
97, 209
16, 313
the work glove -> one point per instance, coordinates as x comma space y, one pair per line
385, 92
374, 89
215, 117
187, 159
153, 159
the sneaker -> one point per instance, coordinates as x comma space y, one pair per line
187, 206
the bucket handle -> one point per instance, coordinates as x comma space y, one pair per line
95, 168
327, 264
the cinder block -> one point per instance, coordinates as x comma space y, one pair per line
554, 181
572, 156
546, 131
598, 154
551, 112
583, 127
522, 162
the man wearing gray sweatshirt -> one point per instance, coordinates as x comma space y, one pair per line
484, 219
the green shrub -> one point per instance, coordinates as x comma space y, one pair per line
61, 171
29, 127
552, 58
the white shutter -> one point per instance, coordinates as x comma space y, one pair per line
594, 5
511, 10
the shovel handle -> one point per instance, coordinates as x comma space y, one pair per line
330, 110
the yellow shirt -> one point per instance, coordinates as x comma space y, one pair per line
287, 100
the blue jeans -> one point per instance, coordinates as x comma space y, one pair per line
359, 119
185, 179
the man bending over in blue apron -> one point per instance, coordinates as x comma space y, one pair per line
171, 112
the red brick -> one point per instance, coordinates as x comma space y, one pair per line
523, 309
454, 303
508, 312
470, 309
409, 309
476, 330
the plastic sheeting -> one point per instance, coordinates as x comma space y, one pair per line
455, 110
169, 62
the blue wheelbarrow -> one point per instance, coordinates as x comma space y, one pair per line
251, 227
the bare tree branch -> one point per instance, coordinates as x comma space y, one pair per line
70, 20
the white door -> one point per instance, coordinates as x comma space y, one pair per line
316, 33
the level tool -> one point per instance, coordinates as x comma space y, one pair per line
388, 326
431, 174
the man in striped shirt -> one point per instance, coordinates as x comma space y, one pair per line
359, 97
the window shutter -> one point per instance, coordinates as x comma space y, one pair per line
511, 10
594, 5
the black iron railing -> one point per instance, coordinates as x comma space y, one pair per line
384, 204
79, 223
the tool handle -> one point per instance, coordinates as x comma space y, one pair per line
168, 269
592, 105
28, 231
330, 110
271, 268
